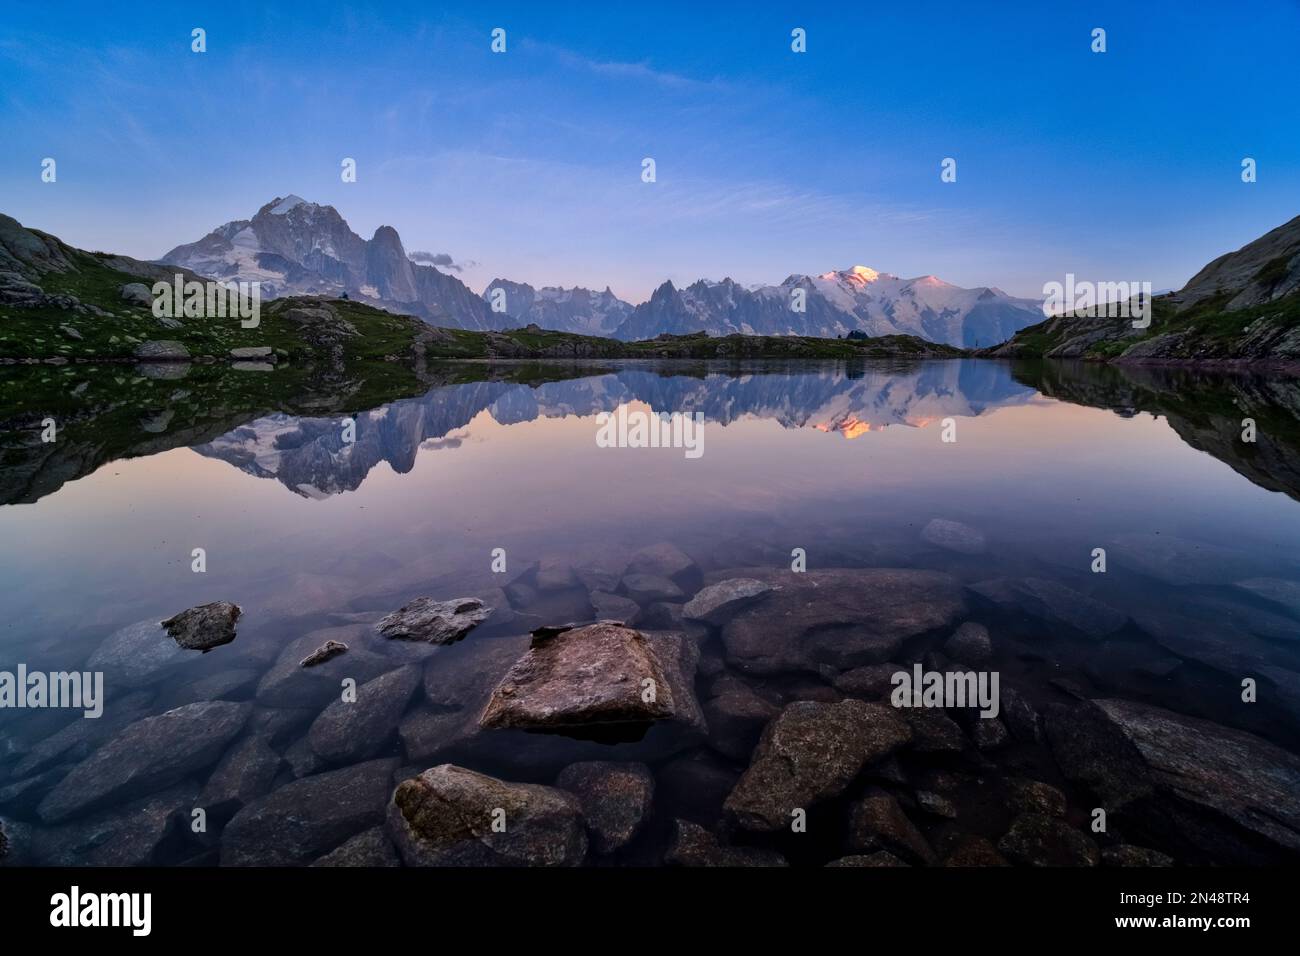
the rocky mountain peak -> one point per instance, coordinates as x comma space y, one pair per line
1261, 271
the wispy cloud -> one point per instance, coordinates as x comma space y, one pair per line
640, 71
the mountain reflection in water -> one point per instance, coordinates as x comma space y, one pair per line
316, 537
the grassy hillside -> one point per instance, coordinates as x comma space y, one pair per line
1205, 332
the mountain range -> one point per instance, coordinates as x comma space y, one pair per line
294, 247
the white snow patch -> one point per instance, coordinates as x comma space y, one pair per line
287, 203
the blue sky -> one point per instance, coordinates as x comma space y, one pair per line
526, 165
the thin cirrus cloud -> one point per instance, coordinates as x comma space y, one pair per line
632, 235
639, 71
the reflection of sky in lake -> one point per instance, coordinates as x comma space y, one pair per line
1045, 480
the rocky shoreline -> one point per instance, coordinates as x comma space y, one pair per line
662, 715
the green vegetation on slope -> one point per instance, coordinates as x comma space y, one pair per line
1206, 332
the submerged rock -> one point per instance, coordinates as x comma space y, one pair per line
371, 848
970, 644
1180, 561
245, 773
148, 755
136, 655
434, 622
1034, 796
601, 673
308, 817
204, 627
1227, 773
973, 850
934, 732
667, 561
695, 786
1277, 590
954, 536
1055, 602
614, 607
809, 753
649, 588
127, 835
554, 574
872, 681
835, 620
1127, 855
880, 858
1092, 750
1020, 717
695, 846
428, 733
287, 684
878, 822
615, 798
450, 816
661, 616
22, 796
351, 730
327, 651
1214, 639
935, 804
462, 676
989, 733
1036, 839
78, 739
736, 719
718, 603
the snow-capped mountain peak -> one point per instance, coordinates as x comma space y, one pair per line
295, 247
282, 206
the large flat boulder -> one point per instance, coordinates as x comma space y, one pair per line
834, 620
137, 655
148, 755
601, 673
1053, 601
1242, 777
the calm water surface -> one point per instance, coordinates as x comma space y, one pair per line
308, 534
